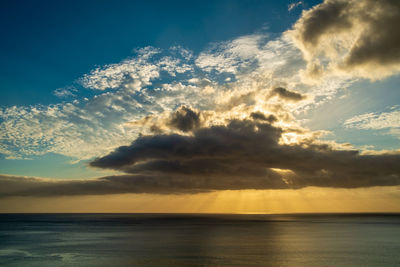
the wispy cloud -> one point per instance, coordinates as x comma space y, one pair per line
133, 74
294, 5
377, 121
65, 92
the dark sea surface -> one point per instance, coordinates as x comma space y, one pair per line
199, 240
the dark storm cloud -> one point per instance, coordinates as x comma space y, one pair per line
184, 119
286, 94
249, 150
216, 141
367, 29
241, 155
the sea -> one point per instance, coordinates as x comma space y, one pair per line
199, 240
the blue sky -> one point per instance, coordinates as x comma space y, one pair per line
85, 49
47, 44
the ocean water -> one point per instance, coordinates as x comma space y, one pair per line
199, 240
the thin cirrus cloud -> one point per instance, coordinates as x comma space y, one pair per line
65, 92
377, 121
294, 5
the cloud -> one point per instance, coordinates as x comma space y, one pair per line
65, 92
204, 142
356, 37
155, 82
286, 94
218, 120
294, 5
136, 72
232, 56
261, 116
377, 121
88, 127
241, 155
22, 186
185, 119
251, 149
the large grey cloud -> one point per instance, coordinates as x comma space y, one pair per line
251, 149
359, 36
244, 154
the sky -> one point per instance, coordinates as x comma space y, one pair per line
201, 106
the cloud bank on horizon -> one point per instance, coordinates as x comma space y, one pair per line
175, 122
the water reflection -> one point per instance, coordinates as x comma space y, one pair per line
199, 240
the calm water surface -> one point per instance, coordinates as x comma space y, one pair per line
199, 240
